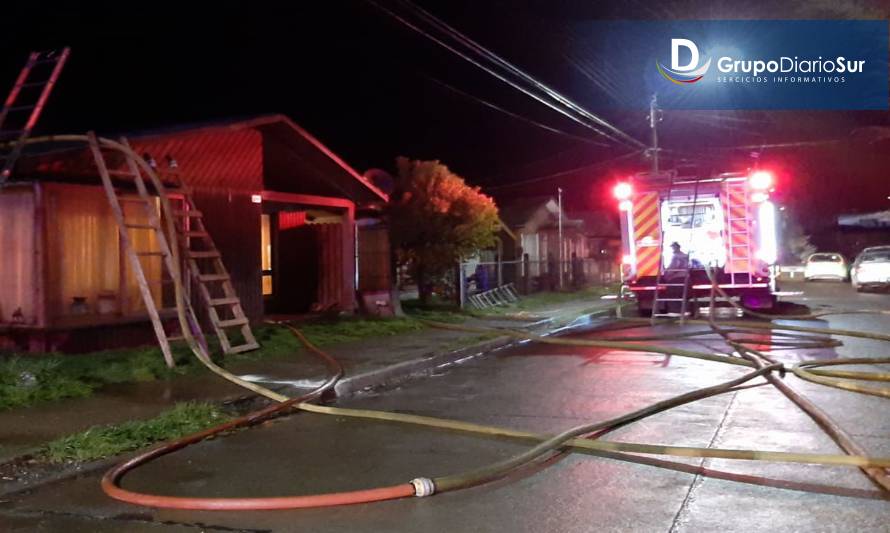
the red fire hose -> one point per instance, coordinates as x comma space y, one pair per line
111, 480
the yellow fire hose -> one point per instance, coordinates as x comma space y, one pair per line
761, 365
544, 444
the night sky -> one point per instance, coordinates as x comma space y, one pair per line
371, 89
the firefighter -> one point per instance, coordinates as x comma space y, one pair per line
679, 260
676, 272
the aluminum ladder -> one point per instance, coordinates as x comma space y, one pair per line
25, 102
667, 277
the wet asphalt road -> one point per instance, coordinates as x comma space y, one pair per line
538, 388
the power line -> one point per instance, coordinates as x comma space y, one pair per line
559, 106
708, 152
485, 52
566, 172
512, 114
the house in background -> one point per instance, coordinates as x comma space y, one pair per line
280, 206
603, 235
528, 248
533, 225
535, 222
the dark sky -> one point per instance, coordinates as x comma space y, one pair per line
372, 89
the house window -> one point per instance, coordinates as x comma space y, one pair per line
266, 243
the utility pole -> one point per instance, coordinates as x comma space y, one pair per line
559, 226
654, 119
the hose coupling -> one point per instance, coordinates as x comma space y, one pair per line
423, 486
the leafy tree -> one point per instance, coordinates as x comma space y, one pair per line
436, 220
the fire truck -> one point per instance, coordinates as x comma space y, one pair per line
675, 230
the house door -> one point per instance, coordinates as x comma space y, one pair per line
296, 271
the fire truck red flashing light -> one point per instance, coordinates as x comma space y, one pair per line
622, 191
761, 180
724, 222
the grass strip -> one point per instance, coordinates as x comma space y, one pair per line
31, 379
99, 442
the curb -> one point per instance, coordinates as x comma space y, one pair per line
406, 370
400, 372
381, 378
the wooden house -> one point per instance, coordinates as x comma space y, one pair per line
280, 206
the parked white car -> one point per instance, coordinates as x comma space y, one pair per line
871, 269
826, 266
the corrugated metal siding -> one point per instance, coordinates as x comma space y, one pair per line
234, 223
330, 256
18, 281
211, 160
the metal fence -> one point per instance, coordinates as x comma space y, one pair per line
528, 277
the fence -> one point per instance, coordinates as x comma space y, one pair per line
527, 277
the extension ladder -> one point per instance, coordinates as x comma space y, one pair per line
24, 104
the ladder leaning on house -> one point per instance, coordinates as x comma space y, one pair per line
207, 270
25, 101
183, 237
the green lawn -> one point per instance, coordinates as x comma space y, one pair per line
35, 378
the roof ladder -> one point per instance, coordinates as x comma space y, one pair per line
24, 104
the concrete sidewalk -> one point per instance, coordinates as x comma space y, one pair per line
371, 363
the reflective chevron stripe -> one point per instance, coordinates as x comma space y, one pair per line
647, 233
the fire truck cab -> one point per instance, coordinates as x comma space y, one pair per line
724, 224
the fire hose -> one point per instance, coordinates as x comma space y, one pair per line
569, 440
582, 438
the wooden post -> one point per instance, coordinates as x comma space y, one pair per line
526, 273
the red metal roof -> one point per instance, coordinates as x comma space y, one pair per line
263, 153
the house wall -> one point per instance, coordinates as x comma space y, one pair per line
332, 244
233, 222
18, 242
223, 168
374, 268
84, 257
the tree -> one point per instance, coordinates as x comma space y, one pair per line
436, 220
796, 243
